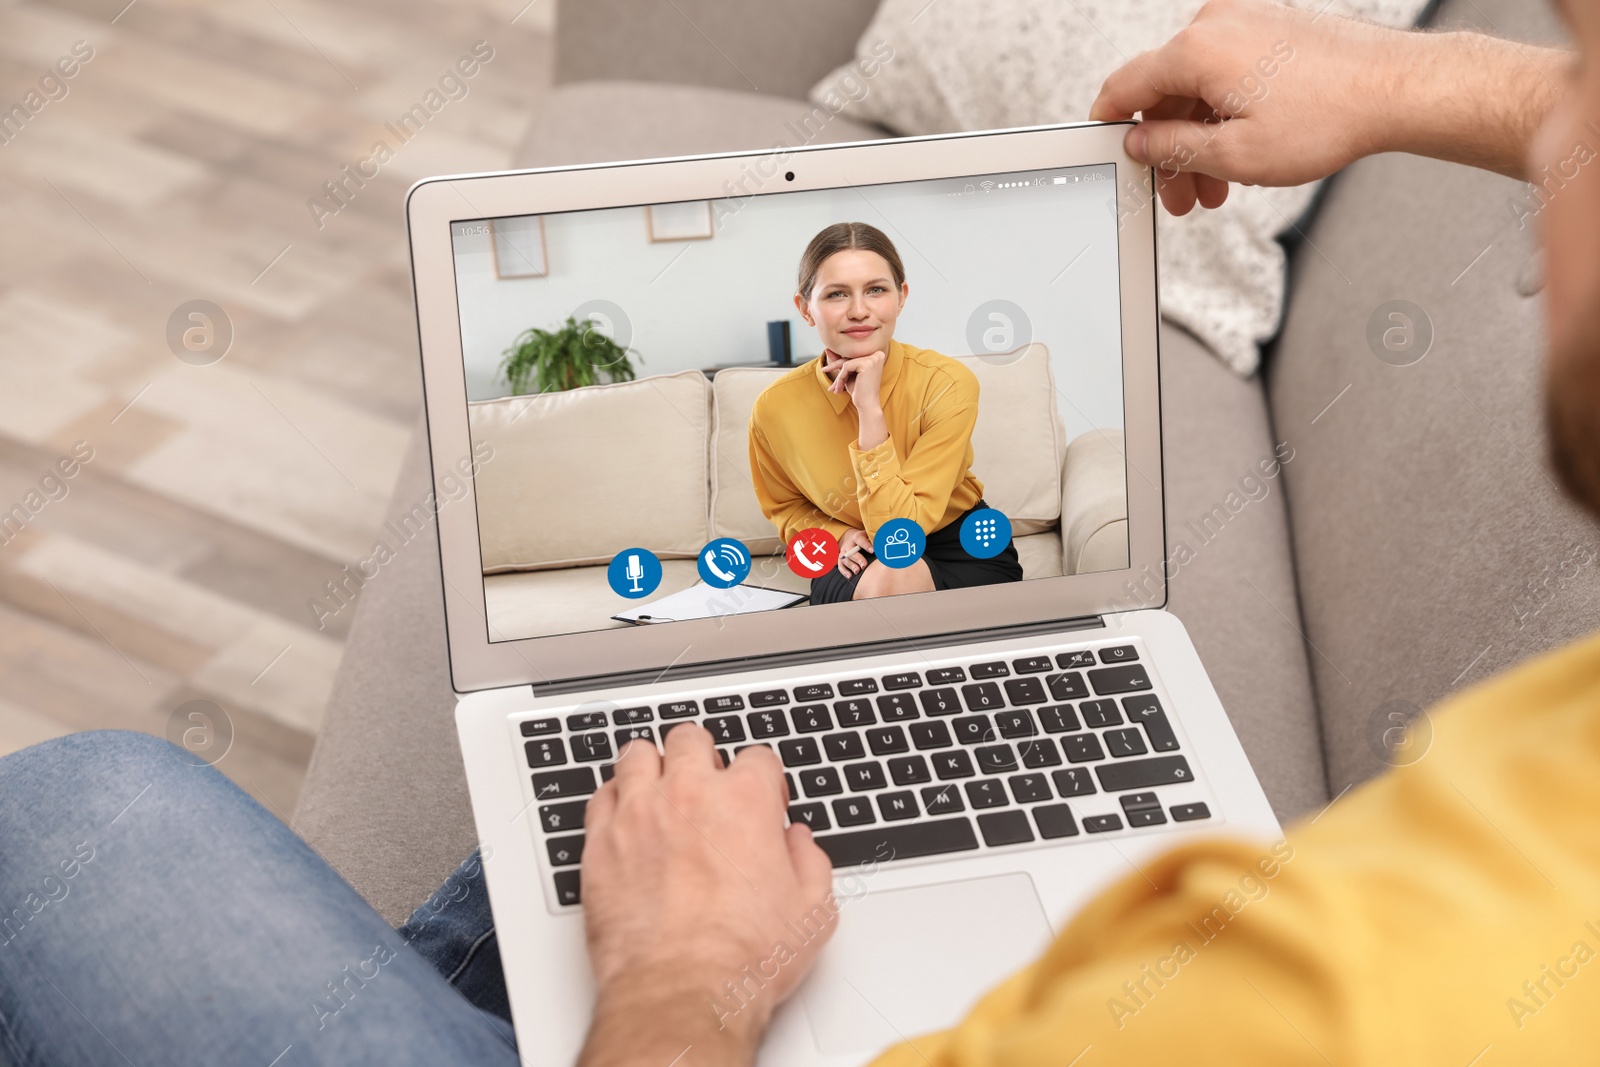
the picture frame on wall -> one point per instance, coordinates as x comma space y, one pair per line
687, 221
518, 246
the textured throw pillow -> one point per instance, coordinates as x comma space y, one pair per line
991, 64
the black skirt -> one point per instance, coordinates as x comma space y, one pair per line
952, 566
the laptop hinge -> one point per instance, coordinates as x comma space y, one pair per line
817, 655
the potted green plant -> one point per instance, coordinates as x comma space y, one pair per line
546, 361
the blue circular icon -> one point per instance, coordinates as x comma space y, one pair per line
634, 573
724, 563
899, 543
985, 533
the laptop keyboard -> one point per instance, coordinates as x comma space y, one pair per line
1046, 748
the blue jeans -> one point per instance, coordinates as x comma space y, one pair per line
153, 914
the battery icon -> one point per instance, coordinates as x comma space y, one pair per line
1060, 180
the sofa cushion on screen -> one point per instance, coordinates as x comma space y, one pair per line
578, 476
734, 511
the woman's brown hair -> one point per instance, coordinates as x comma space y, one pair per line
837, 238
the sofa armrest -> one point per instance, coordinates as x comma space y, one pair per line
1094, 504
775, 47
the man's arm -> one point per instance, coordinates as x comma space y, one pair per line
1262, 94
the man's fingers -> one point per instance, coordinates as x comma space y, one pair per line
690, 746
763, 761
813, 869
639, 763
1213, 192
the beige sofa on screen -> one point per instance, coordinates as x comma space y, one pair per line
662, 463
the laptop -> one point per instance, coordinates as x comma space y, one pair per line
978, 760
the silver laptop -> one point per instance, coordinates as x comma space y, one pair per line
977, 760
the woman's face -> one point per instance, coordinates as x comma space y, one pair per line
854, 303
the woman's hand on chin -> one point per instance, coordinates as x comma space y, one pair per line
853, 547
859, 377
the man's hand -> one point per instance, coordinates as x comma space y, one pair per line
853, 547
1259, 93
690, 886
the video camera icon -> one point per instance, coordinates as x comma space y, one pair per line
899, 543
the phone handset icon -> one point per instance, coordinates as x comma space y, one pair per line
808, 564
724, 563
710, 560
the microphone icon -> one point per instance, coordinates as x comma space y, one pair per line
635, 572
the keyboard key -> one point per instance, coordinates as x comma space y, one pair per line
855, 713
630, 716
769, 698
1146, 818
996, 669
587, 748
1028, 788
799, 752
1040, 752
1055, 820
567, 891
726, 730
1100, 713
857, 686
973, 729
952, 764
853, 811
1023, 691
558, 818
633, 733
1082, 748
1099, 824
1190, 812
1073, 781
576, 782
1109, 681
811, 718
841, 747
794, 790
1144, 773
982, 696
938, 702
720, 704
943, 800
678, 709
813, 815
1140, 802
587, 720
896, 707
864, 777
607, 771
764, 724
822, 691
1005, 828
888, 741
1032, 665
540, 727
1067, 686
1119, 654
1127, 742
987, 793
567, 851
1059, 719
926, 735
1147, 711
821, 782
900, 841
1068, 660
946, 676
896, 806
546, 752
909, 770
903, 680
1014, 724
995, 759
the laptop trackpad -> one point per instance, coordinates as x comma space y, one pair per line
907, 961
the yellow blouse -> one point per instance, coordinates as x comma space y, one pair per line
808, 472
1444, 914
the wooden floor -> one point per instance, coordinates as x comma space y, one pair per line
173, 570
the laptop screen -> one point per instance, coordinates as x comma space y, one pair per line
792, 401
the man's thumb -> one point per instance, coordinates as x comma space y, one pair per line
1172, 145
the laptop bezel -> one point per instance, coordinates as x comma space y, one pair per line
434, 204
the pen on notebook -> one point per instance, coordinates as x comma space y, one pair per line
651, 618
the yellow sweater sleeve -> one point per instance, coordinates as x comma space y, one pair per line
780, 499
917, 486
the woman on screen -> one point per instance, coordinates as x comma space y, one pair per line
871, 430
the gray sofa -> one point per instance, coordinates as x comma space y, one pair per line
1413, 545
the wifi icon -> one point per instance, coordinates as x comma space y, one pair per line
986, 186
724, 563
